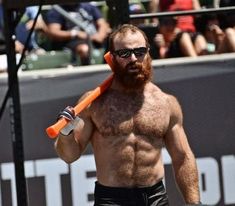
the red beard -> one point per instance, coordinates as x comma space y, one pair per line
135, 75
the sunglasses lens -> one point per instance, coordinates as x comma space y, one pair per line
140, 51
126, 53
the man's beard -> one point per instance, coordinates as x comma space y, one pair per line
135, 75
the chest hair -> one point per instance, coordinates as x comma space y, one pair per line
118, 114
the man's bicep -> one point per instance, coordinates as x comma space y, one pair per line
176, 142
84, 137
175, 139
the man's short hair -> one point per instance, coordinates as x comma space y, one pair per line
123, 30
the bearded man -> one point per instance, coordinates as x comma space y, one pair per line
128, 126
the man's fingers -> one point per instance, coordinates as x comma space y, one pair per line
68, 113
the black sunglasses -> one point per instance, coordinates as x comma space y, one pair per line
126, 53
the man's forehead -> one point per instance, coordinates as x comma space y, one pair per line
129, 38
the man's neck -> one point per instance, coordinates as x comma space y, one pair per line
116, 85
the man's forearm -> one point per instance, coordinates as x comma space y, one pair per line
187, 179
67, 148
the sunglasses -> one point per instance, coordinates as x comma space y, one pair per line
126, 53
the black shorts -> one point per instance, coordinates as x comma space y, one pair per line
144, 196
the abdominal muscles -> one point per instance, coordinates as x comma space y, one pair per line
128, 161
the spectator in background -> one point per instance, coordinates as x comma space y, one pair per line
218, 29
227, 23
208, 25
23, 29
183, 23
92, 28
171, 41
136, 7
218, 40
227, 20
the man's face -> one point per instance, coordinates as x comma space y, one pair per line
132, 62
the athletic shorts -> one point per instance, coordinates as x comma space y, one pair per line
117, 196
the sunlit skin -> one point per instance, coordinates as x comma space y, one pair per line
128, 127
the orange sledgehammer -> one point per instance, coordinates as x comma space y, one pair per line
53, 130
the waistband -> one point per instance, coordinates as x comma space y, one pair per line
105, 191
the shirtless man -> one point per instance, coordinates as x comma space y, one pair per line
128, 126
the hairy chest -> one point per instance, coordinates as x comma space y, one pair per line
122, 115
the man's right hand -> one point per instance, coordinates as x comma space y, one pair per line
69, 114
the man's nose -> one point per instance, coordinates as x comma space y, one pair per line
133, 57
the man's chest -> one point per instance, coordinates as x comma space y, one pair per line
125, 116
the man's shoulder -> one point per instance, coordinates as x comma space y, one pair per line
169, 98
174, 107
156, 89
